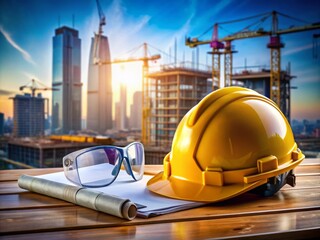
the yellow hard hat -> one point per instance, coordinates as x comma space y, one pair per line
234, 140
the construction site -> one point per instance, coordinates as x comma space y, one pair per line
172, 89
176, 88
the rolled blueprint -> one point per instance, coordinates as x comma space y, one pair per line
99, 201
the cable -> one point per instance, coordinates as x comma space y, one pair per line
244, 19
297, 19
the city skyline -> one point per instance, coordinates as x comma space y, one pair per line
26, 51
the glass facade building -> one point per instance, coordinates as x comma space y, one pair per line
99, 108
66, 80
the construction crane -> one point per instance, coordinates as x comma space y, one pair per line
146, 95
34, 86
102, 18
222, 46
102, 22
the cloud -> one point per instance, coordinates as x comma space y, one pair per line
219, 7
121, 28
6, 92
30, 76
297, 49
24, 53
140, 24
307, 75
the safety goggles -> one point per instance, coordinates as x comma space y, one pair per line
99, 166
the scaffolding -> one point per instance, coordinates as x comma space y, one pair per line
173, 90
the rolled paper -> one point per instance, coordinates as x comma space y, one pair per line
99, 201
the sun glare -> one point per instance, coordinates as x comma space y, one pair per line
129, 74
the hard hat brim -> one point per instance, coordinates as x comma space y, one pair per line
191, 191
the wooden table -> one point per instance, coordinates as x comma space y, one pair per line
293, 213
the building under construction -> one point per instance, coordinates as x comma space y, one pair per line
29, 115
174, 90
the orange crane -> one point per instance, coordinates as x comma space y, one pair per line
146, 94
222, 46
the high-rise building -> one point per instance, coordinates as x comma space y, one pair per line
123, 106
136, 111
99, 107
117, 122
121, 118
28, 115
66, 101
1, 123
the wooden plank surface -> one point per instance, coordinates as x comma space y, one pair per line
74, 217
295, 225
292, 213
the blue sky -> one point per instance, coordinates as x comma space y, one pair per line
27, 28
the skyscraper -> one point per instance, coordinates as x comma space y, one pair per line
121, 109
28, 115
136, 111
1, 123
99, 107
123, 106
66, 101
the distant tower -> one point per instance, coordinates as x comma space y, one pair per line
99, 107
117, 122
136, 110
123, 106
28, 115
1, 123
66, 101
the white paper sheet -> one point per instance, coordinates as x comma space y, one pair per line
124, 186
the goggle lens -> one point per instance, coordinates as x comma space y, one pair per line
98, 167
135, 153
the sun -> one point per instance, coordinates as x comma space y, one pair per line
129, 73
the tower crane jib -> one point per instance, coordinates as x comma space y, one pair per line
102, 18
